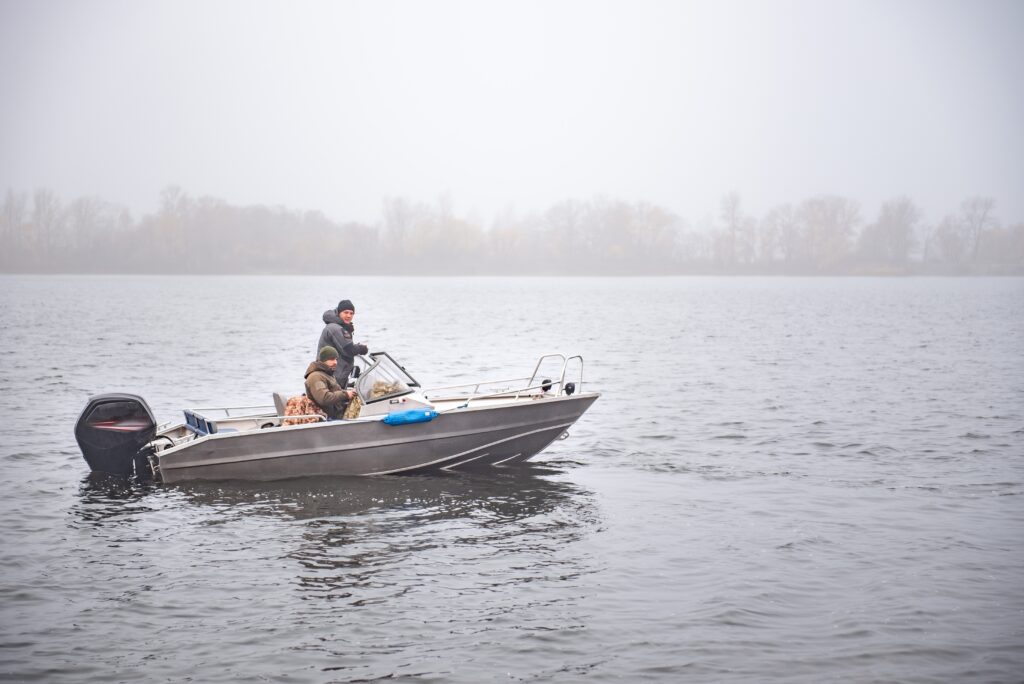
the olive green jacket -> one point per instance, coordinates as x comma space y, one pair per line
324, 390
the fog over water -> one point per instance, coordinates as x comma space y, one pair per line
335, 106
786, 479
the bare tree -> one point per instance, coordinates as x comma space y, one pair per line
13, 229
731, 219
951, 240
601, 235
828, 223
87, 218
900, 218
12, 217
607, 231
976, 214
1002, 249
738, 243
171, 221
927, 243
780, 235
692, 247
564, 233
890, 238
509, 242
653, 234
47, 221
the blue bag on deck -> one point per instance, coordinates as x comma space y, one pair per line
417, 415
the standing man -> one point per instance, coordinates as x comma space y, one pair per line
338, 334
321, 386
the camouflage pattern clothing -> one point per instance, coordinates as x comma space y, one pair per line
380, 389
302, 406
354, 407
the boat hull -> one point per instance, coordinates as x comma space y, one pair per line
463, 439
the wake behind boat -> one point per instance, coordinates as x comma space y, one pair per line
401, 428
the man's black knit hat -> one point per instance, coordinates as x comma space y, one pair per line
346, 305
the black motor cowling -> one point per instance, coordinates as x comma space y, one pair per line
112, 431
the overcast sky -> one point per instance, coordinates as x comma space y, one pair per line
335, 105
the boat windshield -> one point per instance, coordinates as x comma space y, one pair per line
382, 378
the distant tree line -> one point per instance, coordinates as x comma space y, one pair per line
826, 234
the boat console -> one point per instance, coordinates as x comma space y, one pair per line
385, 387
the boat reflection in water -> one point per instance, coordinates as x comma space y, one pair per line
353, 572
371, 540
514, 494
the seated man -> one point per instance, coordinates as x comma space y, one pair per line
321, 386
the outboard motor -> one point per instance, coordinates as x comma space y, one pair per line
112, 431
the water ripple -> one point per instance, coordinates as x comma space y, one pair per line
799, 480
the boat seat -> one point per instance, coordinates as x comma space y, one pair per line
279, 403
198, 424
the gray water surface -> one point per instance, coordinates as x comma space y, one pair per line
785, 480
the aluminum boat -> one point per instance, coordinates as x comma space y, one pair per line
400, 428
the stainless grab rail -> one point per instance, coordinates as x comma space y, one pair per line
474, 385
541, 360
530, 383
574, 356
228, 409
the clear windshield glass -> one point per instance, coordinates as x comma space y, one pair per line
383, 379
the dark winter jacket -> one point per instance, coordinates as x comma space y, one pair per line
324, 390
338, 334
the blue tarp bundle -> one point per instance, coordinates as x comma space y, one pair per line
417, 415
